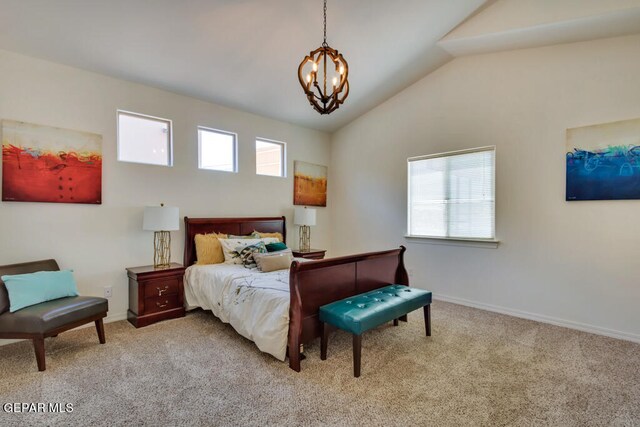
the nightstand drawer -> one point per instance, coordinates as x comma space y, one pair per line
163, 303
162, 288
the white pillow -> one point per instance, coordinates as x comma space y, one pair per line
230, 246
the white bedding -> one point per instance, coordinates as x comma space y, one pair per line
256, 304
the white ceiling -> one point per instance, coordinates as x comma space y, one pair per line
245, 53
241, 53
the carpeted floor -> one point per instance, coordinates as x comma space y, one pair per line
478, 368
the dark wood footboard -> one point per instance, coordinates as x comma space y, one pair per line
316, 283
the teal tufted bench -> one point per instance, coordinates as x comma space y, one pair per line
366, 311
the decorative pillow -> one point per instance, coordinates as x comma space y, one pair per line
246, 253
248, 236
285, 254
230, 248
274, 261
265, 235
33, 288
275, 247
208, 248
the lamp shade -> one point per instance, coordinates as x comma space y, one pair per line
304, 216
161, 218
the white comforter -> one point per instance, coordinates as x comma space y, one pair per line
256, 304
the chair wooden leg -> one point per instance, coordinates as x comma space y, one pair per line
38, 346
395, 322
324, 341
357, 352
100, 329
427, 319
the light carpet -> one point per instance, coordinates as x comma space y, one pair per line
478, 368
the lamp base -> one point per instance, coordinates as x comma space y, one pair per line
161, 249
304, 245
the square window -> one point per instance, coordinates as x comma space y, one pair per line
452, 195
270, 157
217, 150
144, 139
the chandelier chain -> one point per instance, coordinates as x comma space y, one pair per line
325, 24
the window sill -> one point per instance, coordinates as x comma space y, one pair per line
454, 241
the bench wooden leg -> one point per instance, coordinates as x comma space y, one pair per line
324, 341
395, 322
427, 319
100, 329
357, 352
38, 346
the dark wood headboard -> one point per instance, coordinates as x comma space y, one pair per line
237, 226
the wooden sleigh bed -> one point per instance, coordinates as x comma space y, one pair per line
313, 283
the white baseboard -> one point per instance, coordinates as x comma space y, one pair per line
110, 318
627, 336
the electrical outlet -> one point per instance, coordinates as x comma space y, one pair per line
108, 291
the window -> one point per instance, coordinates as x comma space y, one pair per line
144, 139
217, 150
451, 195
270, 157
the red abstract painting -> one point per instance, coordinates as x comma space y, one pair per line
45, 164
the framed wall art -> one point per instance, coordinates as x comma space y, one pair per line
603, 161
309, 184
48, 164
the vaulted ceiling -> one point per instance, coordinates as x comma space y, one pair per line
244, 53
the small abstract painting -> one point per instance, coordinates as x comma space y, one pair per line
47, 164
603, 161
309, 184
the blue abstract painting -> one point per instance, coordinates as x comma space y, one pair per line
603, 161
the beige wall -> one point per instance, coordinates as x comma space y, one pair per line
568, 263
99, 242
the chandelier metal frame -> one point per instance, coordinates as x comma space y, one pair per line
318, 94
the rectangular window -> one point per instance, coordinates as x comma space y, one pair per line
217, 150
270, 157
452, 195
144, 139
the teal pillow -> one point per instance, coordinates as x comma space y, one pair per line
274, 247
33, 288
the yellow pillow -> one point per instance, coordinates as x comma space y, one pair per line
265, 235
208, 248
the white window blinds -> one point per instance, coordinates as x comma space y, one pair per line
452, 194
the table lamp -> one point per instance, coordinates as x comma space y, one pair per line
161, 220
304, 217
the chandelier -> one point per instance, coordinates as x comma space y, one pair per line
323, 76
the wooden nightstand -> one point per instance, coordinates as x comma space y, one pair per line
310, 254
155, 294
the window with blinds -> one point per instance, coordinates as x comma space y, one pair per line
452, 195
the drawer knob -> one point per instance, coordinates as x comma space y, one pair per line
160, 291
166, 303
